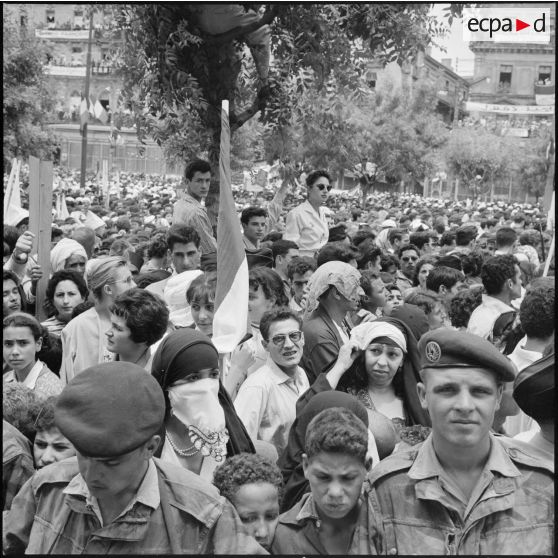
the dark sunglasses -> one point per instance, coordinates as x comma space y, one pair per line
409, 258
279, 340
324, 187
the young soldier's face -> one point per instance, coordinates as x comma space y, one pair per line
335, 481
461, 403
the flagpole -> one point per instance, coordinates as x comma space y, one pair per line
87, 100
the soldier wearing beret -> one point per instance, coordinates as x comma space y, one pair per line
114, 497
463, 490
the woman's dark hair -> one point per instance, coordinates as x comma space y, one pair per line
146, 315
202, 288
472, 263
58, 277
422, 261
271, 284
9, 275
461, 306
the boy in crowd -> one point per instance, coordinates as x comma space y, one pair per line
332, 518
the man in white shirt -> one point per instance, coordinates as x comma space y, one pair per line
307, 223
536, 315
266, 401
501, 278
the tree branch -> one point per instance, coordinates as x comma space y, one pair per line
237, 120
237, 32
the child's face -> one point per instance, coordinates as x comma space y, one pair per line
394, 299
335, 481
257, 505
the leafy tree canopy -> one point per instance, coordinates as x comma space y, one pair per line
27, 99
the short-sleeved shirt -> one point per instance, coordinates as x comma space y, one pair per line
307, 227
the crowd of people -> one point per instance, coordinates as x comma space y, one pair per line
393, 392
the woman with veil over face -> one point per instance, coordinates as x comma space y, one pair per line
201, 427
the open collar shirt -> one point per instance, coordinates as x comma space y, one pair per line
266, 403
189, 211
307, 227
484, 317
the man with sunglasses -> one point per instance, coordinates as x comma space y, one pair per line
307, 223
266, 401
408, 256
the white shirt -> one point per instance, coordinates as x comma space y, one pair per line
31, 378
308, 228
521, 422
266, 403
484, 317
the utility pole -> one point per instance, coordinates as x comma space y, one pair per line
87, 80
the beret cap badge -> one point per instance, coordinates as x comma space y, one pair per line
432, 351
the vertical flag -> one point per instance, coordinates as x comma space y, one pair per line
91, 107
100, 112
83, 114
231, 296
12, 195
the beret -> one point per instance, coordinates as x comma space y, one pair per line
533, 389
449, 348
110, 409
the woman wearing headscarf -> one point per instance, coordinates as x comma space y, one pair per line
83, 339
68, 254
290, 462
380, 367
333, 291
201, 427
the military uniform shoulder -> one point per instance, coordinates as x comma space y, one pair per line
61, 472
400, 461
190, 493
527, 455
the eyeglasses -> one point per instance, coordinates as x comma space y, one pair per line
409, 259
300, 283
279, 340
327, 187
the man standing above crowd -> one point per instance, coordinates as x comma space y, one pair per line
307, 225
463, 490
188, 209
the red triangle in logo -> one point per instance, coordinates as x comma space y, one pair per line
519, 25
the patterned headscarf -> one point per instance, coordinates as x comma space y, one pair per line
344, 277
62, 251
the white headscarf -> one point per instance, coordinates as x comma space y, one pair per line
62, 251
364, 334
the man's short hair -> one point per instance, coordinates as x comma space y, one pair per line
337, 430
425, 301
157, 248
198, 165
447, 238
182, 234
536, 313
362, 235
281, 248
337, 251
395, 234
300, 265
450, 260
406, 248
369, 255
496, 271
420, 238
314, 175
465, 234
505, 237
461, 306
270, 283
246, 468
472, 263
277, 315
442, 275
387, 260
250, 212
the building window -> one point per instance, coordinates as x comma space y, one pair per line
545, 75
77, 50
372, 77
78, 18
50, 19
505, 75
